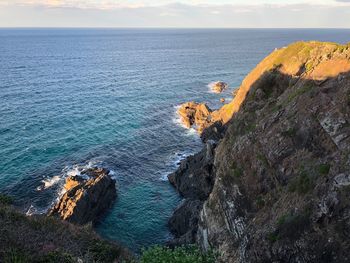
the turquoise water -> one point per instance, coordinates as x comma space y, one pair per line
73, 98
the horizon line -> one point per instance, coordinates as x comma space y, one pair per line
150, 27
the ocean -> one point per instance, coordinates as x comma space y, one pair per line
73, 98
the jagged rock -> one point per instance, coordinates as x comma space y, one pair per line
184, 222
194, 178
193, 113
218, 87
86, 197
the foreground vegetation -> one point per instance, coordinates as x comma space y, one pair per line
190, 254
43, 239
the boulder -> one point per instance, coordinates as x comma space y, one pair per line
86, 196
218, 87
194, 114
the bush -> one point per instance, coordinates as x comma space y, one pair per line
15, 256
189, 254
103, 251
302, 184
5, 200
323, 169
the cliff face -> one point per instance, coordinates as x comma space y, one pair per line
282, 170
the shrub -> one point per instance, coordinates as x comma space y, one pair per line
291, 132
290, 226
15, 256
260, 202
5, 199
56, 256
302, 184
189, 254
323, 169
103, 251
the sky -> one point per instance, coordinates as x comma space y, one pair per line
176, 13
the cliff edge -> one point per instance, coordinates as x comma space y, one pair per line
280, 179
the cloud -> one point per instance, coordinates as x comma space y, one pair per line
110, 13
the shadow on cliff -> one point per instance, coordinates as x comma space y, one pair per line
266, 89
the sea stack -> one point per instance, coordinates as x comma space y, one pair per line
87, 196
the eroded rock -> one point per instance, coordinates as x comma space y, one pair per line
86, 196
218, 87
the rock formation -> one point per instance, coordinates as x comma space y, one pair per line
281, 171
86, 196
194, 180
218, 87
193, 113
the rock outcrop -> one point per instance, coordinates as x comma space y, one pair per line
86, 196
218, 87
281, 170
193, 113
194, 180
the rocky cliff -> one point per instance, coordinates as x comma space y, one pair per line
280, 176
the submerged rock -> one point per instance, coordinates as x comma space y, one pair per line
87, 196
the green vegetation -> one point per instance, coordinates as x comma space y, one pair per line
290, 226
276, 107
324, 168
299, 49
103, 251
301, 184
298, 92
47, 239
5, 200
291, 132
309, 66
272, 237
263, 159
14, 256
189, 254
260, 202
235, 171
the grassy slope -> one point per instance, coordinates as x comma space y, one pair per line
47, 239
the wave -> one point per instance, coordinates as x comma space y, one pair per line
49, 182
57, 182
174, 161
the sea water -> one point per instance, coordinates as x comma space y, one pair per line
77, 98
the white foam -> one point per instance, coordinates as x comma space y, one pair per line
32, 210
173, 163
48, 182
113, 174
177, 120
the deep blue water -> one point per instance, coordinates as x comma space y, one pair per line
72, 98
